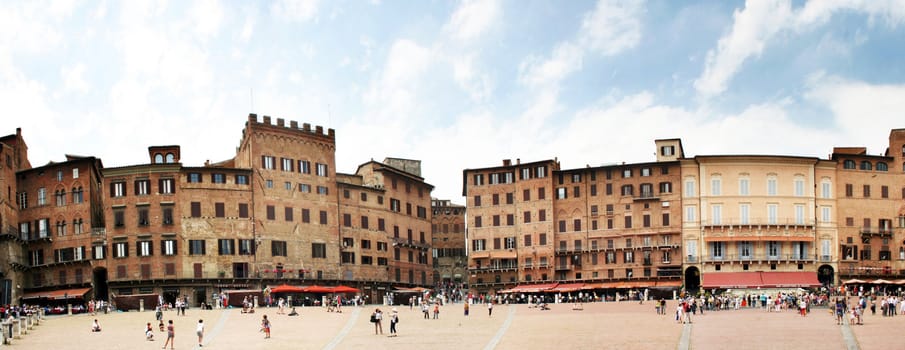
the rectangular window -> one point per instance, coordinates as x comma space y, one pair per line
799, 214
99, 252
771, 186
193, 178
799, 187
716, 187
304, 167
144, 248
772, 213
323, 217
241, 179
690, 215
306, 216
825, 214
120, 249
143, 216
166, 186
884, 191
849, 190
219, 210
744, 211
267, 162
319, 250
278, 248
287, 214
321, 169
542, 215
142, 187
226, 246
196, 247
117, 189
196, 209
286, 164
247, 247
743, 185
628, 221
271, 212
168, 247
825, 190
243, 210
218, 178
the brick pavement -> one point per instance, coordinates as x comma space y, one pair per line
599, 326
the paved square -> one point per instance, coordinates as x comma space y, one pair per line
626, 325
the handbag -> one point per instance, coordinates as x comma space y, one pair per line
373, 318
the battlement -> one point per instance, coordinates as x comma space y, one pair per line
293, 125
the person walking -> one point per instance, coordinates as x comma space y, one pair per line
436, 311
200, 331
378, 325
394, 319
466, 308
265, 325
149, 333
489, 308
171, 336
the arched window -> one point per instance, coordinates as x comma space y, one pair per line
865, 165
158, 158
171, 158
848, 164
881, 166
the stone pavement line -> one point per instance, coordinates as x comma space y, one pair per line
216, 330
685, 340
503, 328
345, 331
850, 342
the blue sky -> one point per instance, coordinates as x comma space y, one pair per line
457, 84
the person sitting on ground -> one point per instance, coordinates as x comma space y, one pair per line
95, 327
293, 313
162, 328
149, 332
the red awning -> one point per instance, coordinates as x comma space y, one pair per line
345, 289
789, 279
533, 288
285, 288
731, 280
318, 289
567, 287
60, 294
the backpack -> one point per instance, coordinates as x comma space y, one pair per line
397, 318
373, 317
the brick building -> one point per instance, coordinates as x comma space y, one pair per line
13, 262
275, 213
448, 228
871, 217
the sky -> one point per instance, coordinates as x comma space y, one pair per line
455, 84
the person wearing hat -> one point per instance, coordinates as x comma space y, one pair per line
394, 319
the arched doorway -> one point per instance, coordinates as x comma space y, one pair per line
826, 275
692, 278
100, 284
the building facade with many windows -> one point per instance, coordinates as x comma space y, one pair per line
448, 227
278, 212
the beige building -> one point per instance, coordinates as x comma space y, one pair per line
756, 214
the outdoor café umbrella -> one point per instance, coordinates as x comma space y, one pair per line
285, 288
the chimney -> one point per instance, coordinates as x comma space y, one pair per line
518, 161
507, 162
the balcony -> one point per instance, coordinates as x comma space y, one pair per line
869, 269
759, 258
646, 196
691, 259
563, 267
98, 234
882, 232
758, 223
494, 268
408, 243
568, 250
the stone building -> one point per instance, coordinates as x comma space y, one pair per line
448, 228
278, 212
13, 262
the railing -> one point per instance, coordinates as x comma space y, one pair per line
646, 196
759, 257
733, 222
691, 259
876, 231
410, 243
868, 270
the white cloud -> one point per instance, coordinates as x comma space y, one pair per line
393, 93
565, 59
207, 16
861, 111
472, 18
247, 29
74, 78
613, 27
295, 10
477, 85
762, 20
753, 26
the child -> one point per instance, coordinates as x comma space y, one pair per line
149, 333
160, 325
265, 324
95, 327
